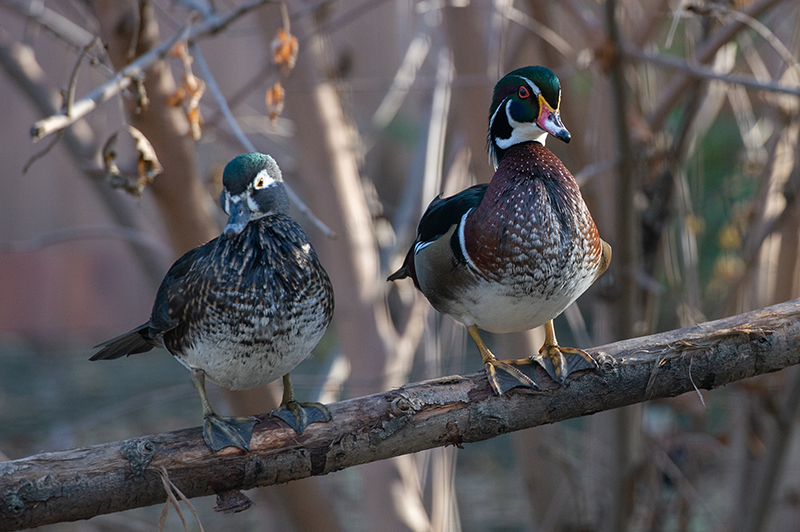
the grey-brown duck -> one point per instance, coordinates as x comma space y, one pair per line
245, 308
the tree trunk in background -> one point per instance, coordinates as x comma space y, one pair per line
326, 164
465, 34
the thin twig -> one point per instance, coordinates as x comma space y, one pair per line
69, 98
135, 30
41, 153
696, 389
698, 71
69, 234
171, 489
547, 34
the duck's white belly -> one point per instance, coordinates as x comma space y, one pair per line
248, 362
502, 308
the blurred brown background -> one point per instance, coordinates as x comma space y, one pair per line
684, 119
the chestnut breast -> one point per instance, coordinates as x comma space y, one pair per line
532, 230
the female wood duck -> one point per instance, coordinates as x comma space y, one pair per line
245, 308
513, 254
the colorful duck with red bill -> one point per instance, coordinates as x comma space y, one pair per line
512, 255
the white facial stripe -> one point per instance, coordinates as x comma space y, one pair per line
491, 120
252, 205
537, 92
263, 180
533, 86
521, 132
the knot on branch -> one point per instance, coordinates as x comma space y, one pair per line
401, 410
13, 505
605, 362
16, 501
139, 452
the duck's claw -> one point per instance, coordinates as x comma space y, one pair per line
504, 376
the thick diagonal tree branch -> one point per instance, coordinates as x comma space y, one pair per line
110, 477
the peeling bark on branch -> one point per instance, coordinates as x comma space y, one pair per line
82, 483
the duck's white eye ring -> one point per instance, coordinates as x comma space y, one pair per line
262, 180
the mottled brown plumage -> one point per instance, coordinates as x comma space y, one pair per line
532, 229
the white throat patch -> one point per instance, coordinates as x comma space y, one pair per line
521, 132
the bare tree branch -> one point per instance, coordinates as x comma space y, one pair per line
61, 26
105, 92
704, 53
122, 79
70, 234
698, 71
110, 477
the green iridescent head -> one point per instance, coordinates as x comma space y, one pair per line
525, 107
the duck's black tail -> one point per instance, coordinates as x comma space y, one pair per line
130, 343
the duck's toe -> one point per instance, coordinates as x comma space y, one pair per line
559, 362
505, 374
300, 415
220, 432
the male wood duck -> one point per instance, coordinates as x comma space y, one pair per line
513, 254
245, 308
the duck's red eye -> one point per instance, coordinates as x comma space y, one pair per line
523, 92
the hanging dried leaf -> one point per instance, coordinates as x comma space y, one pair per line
177, 98
275, 100
284, 50
109, 153
139, 94
196, 88
179, 50
148, 164
189, 93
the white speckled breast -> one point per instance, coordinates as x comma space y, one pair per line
254, 309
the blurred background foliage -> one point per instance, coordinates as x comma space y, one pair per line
684, 118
